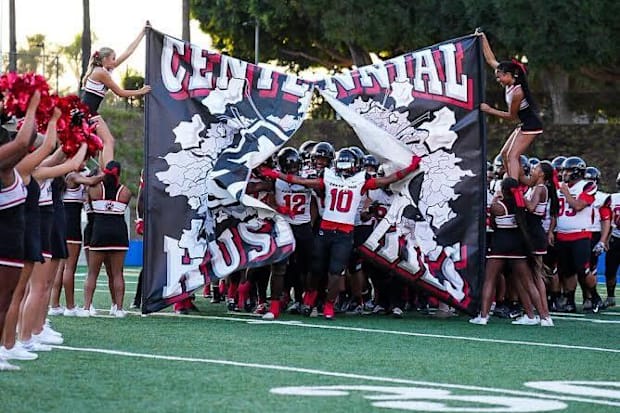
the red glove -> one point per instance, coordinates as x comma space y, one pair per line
415, 162
140, 226
269, 173
284, 210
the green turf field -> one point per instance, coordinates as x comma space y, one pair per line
219, 362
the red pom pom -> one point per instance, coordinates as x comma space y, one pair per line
17, 90
74, 128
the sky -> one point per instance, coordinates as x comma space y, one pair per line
116, 23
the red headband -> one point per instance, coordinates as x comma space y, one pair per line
519, 200
521, 65
112, 171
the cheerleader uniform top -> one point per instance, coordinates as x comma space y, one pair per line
93, 94
13, 222
530, 123
109, 230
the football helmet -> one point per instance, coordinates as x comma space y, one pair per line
289, 160
573, 169
359, 154
592, 174
533, 162
557, 162
305, 150
323, 150
346, 162
525, 164
370, 161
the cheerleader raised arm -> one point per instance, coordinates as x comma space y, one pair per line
511, 74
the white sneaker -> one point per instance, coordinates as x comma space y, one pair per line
480, 320
92, 310
269, 316
17, 353
82, 312
113, 309
46, 338
378, 309
6, 366
314, 312
546, 322
33, 345
119, 313
397, 312
70, 312
56, 310
49, 330
526, 321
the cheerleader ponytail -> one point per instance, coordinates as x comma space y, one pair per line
549, 173
111, 178
519, 71
96, 60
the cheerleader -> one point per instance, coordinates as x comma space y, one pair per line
540, 196
12, 205
109, 239
34, 307
521, 106
510, 244
32, 243
73, 200
98, 81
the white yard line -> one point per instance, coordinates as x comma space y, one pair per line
317, 372
295, 323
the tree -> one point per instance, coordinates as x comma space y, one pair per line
563, 39
132, 80
73, 56
12, 38
35, 58
185, 22
86, 39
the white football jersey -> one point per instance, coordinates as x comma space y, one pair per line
342, 196
296, 199
599, 200
569, 220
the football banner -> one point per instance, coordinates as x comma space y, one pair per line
425, 103
210, 119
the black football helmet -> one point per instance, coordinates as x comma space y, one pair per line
289, 160
346, 162
359, 154
525, 164
305, 150
592, 174
370, 161
498, 166
557, 163
573, 169
323, 150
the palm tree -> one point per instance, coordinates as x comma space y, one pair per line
12, 38
86, 40
185, 34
